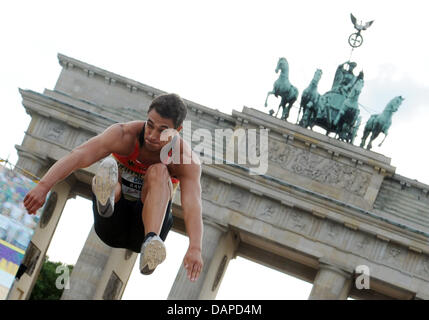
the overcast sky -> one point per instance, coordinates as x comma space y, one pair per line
221, 54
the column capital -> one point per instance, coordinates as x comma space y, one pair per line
31, 154
332, 282
325, 263
215, 224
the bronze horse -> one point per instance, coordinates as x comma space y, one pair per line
378, 123
309, 99
284, 89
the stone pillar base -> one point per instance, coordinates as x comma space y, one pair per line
219, 248
101, 272
39, 244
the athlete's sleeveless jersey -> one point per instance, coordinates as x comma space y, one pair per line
133, 171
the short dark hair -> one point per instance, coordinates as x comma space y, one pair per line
170, 106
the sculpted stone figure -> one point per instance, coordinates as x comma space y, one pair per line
350, 107
344, 78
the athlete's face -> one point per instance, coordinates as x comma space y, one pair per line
155, 127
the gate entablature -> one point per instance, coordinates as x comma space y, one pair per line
324, 165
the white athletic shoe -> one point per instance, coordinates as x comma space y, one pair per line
103, 186
152, 254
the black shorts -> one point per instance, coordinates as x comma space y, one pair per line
125, 229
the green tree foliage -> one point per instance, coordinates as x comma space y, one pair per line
45, 287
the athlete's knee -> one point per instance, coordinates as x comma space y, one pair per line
156, 173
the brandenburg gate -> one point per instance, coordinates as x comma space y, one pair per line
323, 211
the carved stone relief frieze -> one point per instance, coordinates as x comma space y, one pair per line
394, 255
56, 131
207, 187
330, 172
237, 199
279, 153
267, 211
283, 215
361, 244
332, 233
423, 266
318, 168
299, 221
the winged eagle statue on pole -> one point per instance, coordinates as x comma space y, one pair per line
355, 39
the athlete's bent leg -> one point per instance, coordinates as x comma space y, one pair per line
155, 196
105, 186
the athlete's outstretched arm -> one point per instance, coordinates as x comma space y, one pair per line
192, 213
82, 156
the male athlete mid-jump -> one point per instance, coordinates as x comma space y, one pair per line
133, 186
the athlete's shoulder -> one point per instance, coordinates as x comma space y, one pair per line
122, 137
130, 129
136, 125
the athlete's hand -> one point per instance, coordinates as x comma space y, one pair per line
193, 263
35, 199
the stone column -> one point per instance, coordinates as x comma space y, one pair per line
34, 257
101, 272
219, 247
331, 283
